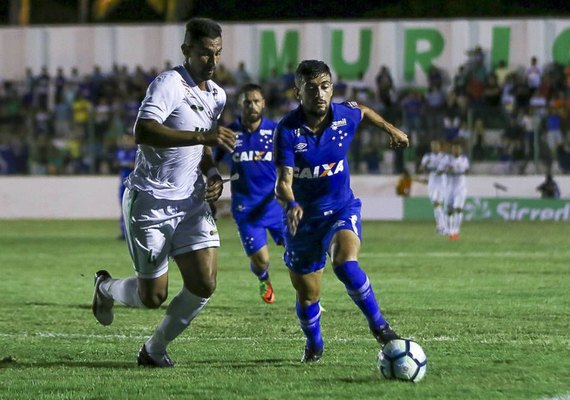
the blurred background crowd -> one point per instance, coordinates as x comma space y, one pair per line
512, 119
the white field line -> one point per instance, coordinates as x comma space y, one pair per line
333, 339
561, 397
118, 337
479, 254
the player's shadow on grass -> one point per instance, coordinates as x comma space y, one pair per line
59, 305
264, 362
72, 364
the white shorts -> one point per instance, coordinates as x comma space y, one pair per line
456, 198
436, 190
157, 229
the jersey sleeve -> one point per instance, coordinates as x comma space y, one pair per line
283, 147
354, 110
163, 96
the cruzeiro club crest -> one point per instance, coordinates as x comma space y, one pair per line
476, 208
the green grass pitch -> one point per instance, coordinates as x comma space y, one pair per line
492, 312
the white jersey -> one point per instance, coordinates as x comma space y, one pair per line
456, 168
174, 100
436, 178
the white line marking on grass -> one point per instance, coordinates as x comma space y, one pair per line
82, 336
561, 397
480, 254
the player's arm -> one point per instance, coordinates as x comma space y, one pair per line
398, 138
153, 133
214, 183
285, 196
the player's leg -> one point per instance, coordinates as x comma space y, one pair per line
148, 243
254, 241
194, 243
439, 216
344, 249
198, 271
458, 204
308, 288
259, 265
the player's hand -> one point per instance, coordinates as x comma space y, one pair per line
221, 136
214, 188
294, 215
398, 139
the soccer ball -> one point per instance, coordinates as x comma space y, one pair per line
402, 359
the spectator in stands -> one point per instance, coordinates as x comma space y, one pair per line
533, 74
385, 87
521, 92
435, 77
361, 90
241, 76
272, 89
59, 84
492, 94
42, 88
435, 100
501, 72
553, 130
549, 188
340, 91
451, 118
460, 81
412, 111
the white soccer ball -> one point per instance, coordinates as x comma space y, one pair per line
402, 359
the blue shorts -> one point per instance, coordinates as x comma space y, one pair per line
306, 252
252, 230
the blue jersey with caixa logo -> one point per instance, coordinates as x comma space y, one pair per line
252, 161
321, 177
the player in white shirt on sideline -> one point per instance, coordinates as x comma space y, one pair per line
165, 205
436, 183
455, 165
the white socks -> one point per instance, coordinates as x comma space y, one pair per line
183, 308
439, 218
124, 291
455, 220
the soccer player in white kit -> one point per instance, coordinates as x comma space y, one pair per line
436, 183
165, 205
455, 165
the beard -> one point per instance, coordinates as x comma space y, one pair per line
253, 118
318, 112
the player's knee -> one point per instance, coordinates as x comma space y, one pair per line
205, 288
154, 300
260, 263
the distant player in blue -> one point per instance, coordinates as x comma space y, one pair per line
253, 176
125, 161
323, 216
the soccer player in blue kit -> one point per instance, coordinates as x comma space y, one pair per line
254, 207
125, 157
322, 214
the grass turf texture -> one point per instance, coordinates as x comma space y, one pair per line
491, 312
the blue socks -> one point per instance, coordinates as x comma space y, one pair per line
359, 289
310, 319
262, 276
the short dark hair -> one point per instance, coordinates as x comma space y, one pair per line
250, 87
310, 69
197, 28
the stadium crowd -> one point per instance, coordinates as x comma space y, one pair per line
511, 116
